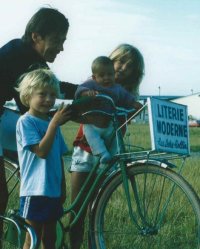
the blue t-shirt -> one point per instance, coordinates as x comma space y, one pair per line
39, 177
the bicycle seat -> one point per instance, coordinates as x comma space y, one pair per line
96, 103
89, 109
92, 109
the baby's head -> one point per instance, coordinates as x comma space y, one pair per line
103, 71
35, 80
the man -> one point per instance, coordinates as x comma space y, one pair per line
42, 41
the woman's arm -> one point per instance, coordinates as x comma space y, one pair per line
127, 100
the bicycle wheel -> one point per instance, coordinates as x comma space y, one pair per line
165, 207
9, 235
12, 179
12, 234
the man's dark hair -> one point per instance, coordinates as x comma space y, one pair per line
45, 22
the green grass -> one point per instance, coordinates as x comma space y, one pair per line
140, 136
177, 221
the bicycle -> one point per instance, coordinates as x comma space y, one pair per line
14, 230
142, 203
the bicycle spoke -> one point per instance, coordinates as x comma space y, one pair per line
165, 207
12, 179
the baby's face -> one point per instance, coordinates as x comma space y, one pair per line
105, 76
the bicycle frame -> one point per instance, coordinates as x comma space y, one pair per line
93, 173
123, 159
102, 175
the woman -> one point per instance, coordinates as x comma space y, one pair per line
129, 71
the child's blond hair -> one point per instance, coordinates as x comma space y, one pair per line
36, 79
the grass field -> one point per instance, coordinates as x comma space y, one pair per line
139, 135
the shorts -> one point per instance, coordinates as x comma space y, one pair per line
40, 208
82, 161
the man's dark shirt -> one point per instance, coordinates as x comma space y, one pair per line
17, 58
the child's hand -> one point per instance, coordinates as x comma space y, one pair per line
62, 115
89, 93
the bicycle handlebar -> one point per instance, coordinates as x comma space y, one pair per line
101, 104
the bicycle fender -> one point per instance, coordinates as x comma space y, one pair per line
107, 180
163, 164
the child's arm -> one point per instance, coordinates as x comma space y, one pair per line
86, 89
63, 184
60, 117
89, 93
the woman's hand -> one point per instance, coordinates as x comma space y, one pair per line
137, 105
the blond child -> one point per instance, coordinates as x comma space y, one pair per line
40, 148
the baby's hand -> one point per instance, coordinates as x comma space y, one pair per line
89, 93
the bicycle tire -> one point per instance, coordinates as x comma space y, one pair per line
12, 179
178, 227
9, 238
12, 235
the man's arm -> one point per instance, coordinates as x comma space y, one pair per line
127, 100
19, 104
68, 89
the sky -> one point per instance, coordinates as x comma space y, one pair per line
167, 32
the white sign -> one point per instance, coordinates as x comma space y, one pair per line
168, 126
